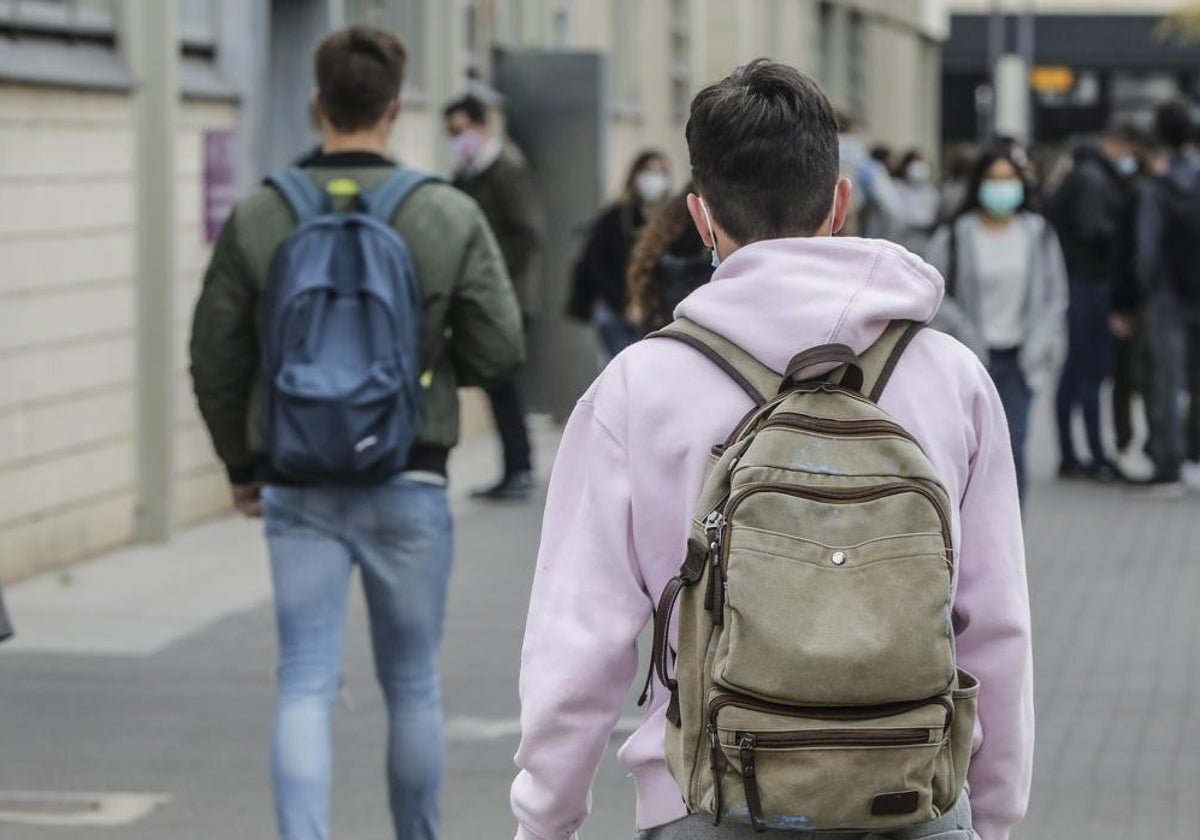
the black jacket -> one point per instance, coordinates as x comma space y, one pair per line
601, 272
1091, 212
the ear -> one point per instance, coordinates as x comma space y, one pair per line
841, 204
314, 107
393, 112
701, 223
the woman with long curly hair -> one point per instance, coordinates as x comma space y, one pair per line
668, 263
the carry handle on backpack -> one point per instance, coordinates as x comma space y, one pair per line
837, 355
308, 201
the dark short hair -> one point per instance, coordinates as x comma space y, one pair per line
979, 174
764, 151
360, 71
1173, 123
470, 106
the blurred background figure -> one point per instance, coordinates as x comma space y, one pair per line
1168, 264
492, 170
921, 199
668, 263
1006, 288
1091, 211
852, 155
599, 292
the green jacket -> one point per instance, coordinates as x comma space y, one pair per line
505, 192
471, 332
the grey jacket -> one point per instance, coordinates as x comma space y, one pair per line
1045, 340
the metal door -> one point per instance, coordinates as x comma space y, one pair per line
555, 105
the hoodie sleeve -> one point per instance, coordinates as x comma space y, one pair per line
992, 614
588, 607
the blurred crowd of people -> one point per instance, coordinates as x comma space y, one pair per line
1066, 268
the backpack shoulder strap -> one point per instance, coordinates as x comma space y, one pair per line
304, 198
752, 376
383, 201
880, 360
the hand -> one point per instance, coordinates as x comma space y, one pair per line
247, 500
1122, 326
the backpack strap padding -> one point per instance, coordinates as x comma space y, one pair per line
383, 201
306, 200
880, 360
758, 381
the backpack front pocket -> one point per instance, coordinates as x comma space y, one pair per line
792, 768
861, 618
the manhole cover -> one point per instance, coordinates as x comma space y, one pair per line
76, 808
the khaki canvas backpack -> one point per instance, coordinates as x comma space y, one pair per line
814, 686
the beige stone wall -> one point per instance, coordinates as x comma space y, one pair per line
201, 488
67, 307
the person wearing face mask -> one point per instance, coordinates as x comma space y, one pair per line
599, 292
920, 198
1006, 289
1091, 212
492, 170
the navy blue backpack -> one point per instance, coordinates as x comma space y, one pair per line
341, 333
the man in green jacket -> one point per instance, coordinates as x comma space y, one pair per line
494, 173
398, 532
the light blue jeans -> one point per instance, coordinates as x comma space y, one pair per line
400, 536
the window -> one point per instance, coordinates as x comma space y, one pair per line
90, 19
623, 63
682, 82
406, 18
198, 23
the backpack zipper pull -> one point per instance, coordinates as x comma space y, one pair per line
747, 743
714, 595
714, 745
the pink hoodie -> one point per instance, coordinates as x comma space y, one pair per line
627, 479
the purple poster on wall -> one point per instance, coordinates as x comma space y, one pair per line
220, 180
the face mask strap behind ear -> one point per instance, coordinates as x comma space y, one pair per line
712, 233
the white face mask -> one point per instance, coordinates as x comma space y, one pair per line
652, 187
919, 172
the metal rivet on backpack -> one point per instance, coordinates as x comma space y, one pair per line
839, 557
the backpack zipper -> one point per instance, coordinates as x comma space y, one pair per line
843, 496
753, 704
841, 428
912, 736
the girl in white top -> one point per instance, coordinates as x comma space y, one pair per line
1006, 288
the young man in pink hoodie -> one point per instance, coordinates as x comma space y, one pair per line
763, 146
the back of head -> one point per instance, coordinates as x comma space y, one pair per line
1173, 124
360, 71
764, 152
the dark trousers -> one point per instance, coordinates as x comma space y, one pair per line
1016, 397
1174, 339
1089, 362
509, 410
1125, 385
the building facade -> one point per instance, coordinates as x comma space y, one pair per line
126, 126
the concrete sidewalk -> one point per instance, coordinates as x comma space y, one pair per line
139, 600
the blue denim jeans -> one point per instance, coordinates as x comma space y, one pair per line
400, 536
1016, 397
615, 332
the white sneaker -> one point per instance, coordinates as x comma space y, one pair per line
1190, 474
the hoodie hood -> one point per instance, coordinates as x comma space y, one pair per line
781, 296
